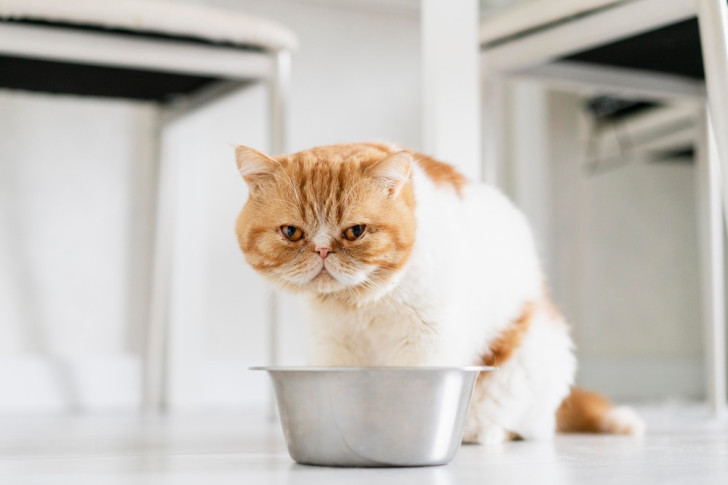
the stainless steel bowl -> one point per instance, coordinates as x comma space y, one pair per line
373, 416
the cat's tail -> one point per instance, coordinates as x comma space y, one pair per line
588, 412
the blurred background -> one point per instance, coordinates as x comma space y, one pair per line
611, 200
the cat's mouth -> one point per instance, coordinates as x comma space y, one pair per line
326, 279
323, 273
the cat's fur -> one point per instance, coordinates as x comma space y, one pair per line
445, 274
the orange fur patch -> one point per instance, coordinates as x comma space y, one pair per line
510, 339
582, 412
441, 173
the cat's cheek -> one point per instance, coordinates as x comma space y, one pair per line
268, 255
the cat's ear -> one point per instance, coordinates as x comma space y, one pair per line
255, 167
393, 171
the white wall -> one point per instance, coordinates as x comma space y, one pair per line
66, 226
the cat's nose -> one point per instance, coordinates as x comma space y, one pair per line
323, 252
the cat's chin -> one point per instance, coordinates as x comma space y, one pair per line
321, 284
326, 284
348, 288
355, 295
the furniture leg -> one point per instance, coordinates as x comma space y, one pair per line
713, 22
279, 90
492, 130
711, 231
450, 91
154, 365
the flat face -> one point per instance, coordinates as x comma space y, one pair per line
354, 202
674, 49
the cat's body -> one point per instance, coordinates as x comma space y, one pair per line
449, 276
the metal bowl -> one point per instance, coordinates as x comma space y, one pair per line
373, 416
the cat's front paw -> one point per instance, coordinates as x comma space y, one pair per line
486, 435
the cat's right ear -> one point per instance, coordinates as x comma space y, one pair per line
255, 167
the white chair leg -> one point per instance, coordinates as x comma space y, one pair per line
711, 231
279, 95
449, 35
492, 94
280, 87
156, 331
713, 21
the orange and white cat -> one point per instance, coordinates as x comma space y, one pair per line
407, 263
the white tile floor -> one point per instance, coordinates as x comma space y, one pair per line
683, 446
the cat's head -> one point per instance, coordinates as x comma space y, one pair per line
334, 221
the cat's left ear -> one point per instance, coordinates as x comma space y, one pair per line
393, 171
254, 166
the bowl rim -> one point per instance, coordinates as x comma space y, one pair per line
302, 368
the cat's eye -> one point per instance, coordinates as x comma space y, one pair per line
354, 232
292, 233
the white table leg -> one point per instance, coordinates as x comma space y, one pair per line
713, 21
279, 90
450, 84
154, 359
280, 87
711, 231
493, 103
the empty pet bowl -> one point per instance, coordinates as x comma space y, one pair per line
373, 416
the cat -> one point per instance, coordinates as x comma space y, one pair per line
407, 263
